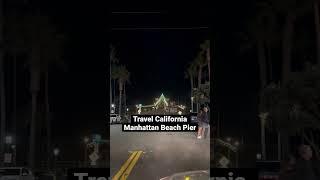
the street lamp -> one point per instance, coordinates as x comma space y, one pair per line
56, 152
13, 147
258, 156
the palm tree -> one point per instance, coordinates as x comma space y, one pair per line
52, 57
291, 9
15, 45
43, 48
200, 62
260, 37
126, 80
191, 74
317, 27
205, 49
294, 108
113, 78
2, 88
122, 75
113, 60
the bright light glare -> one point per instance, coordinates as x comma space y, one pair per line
56, 151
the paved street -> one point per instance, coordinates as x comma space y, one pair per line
164, 153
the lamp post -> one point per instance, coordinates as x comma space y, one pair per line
13, 147
263, 119
113, 108
192, 98
236, 144
8, 142
86, 141
56, 152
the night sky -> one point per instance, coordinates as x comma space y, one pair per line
157, 60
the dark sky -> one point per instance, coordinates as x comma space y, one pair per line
157, 60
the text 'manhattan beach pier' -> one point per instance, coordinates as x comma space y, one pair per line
160, 123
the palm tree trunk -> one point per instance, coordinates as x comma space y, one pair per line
191, 82
34, 89
262, 64
208, 60
263, 80
2, 87
263, 118
14, 122
279, 145
287, 47
317, 25
125, 98
3, 109
286, 65
120, 96
270, 63
48, 116
110, 83
199, 85
199, 77
114, 91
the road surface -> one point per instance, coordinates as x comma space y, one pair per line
153, 155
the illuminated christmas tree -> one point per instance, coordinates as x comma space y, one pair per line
161, 102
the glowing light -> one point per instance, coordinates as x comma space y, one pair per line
127, 109
112, 105
259, 156
86, 139
179, 112
187, 178
237, 143
56, 151
160, 99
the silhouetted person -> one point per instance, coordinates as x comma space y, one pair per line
199, 120
206, 128
203, 122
